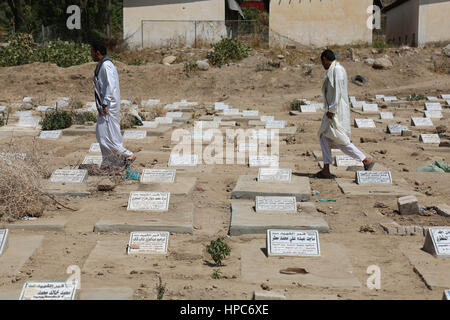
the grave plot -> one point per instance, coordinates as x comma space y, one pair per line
433, 106
115, 253
396, 129
247, 219
269, 184
331, 269
163, 180
364, 123
430, 138
149, 212
44, 223
421, 122
377, 183
433, 114
79, 130
371, 108
64, 182
386, 116
431, 261
19, 249
52, 134
358, 105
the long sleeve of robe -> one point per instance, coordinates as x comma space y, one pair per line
108, 125
335, 93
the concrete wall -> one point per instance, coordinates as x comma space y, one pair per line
434, 21
402, 23
171, 33
319, 22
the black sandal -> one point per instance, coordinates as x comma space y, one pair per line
129, 162
369, 166
320, 175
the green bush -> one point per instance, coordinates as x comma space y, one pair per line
81, 118
296, 104
22, 49
251, 13
228, 50
56, 120
415, 97
219, 250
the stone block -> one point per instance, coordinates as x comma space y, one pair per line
408, 205
268, 295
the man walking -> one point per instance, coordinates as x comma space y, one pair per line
335, 128
107, 98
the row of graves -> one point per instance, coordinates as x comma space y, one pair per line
275, 203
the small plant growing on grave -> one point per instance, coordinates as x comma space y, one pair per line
296, 104
190, 67
217, 274
161, 289
415, 97
137, 62
56, 120
228, 50
219, 250
79, 105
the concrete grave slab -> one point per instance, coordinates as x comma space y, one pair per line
399, 187
56, 223
247, 187
178, 219
434, 272
245, 220
66, 189
331, 269
20, 249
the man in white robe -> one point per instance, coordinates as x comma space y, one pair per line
107, 97
335, 130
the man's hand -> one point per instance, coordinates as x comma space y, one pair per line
330, 115
105, 110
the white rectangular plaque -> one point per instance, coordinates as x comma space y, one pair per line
432, 98
231, 112
280, 124
50, 134
70, 176
274, 174
434, 114
433, 106
174, 114
164, 120
369, 107
3, 240
308, 109
263, 161
34, 290
250, 113
390, 98
95, 148
282, 204
445, 96
293, 243
373, 177
358, 104
148, 242
185, 160
89, 159
220, 106
267, 118
148, 201
150, 124
386, 115
430, 138
379, 96
130, 134
346, 161
396, 128
440, 237
421, 122
158, 176
364, 123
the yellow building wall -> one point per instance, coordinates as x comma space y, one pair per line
434, 21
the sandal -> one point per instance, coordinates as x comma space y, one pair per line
320, 175
369, 166
129, 161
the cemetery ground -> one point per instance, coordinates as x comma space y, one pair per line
359, 221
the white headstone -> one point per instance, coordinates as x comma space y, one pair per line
263, 161
293, 243
28, 121
317, 105
396, 128
433, 114
48, 291
171, 107
51, 134
433, 106
358, 104
390, 98
367, 107
308, 109
3, 240
188, 160
148, 201
421, 122
231, 112
220, 106
150, 124
379, 96
130, 134
373, 177
174, 114
386, 115
43, 108
364, 123
250, 113
267, 118
95, 148
432, 98
93, 160
274, 175
158, 176
346, 161
445, 96
437, 242
280, 124
430, 138
148, 242
352, 99
282, 204
70, 176
164, 120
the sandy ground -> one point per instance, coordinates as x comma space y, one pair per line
186, 269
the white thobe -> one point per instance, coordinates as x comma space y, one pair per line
336, 132
108, 125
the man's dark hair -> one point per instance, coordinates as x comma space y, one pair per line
99, 46
329, 55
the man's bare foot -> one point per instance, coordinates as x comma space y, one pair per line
130, 160
368, 164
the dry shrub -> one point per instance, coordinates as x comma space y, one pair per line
442, 65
